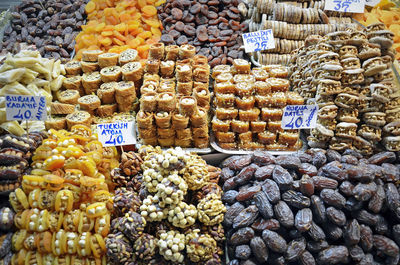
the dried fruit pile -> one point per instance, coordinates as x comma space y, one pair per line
212, 26
28, 73
168, 208
249, 107
116, 26
63, 207
49, 25
6, 226
175, 97
350, 76
317, 207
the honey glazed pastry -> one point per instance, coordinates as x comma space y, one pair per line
69, 96
91, 55
73, 68
127, 56
132, 71
91, 82
148, 102
108, 59
156, 51
88, 67
106, 92
111, 74
89, 103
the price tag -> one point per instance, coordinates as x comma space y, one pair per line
351, 6
372, 2
22, 107
258, 41
116, 134
299, 117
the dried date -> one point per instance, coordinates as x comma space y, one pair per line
376, 203
271, 190
295, 248
364, 192
245, 175
248, 193
336, 216
318, 209
308, 169
296, 199
263, 158
241, 236
229, 196
246, 217
324, 183
332, 197
306, 258
386, 245
264, 172
284, 214
288, 161
352, 232
303, 220
333, 255
282, 177
263, 205
232, 212
259, 249
242, 252
274, 241
383, 157
316, 232
261, 224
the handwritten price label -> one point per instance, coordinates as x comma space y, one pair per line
116, 134
351, 6
22, 107
372, 2
258, 41
299, 117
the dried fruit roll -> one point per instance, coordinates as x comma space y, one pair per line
187, 106
184, 88
199, 118
201, 74
91, 82
167, 69
69, 96
74, 82
179, 121
89, 103
266, 137
163, 119
88, 67
127, 56
111, 74
245, 103
108, 59
152, 66
166, 102
132, 71
58, 108
183, 133
156, 51
56, 123
171, 52
125, 91
225, 137
258, 126
186, 51
91, 55
148, 102
145, 119
183, 142
165, 133
200, 132
221, 125
73, 68
225, 88
183, 73
202, 97
106, 92
226, 113
78, 117
106, 110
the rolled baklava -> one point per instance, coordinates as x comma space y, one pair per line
187, 106
152, 66
183, 73
199, 118
266, 137
219, 69
202, 97
90, 82
262, 88
201, 74
200, 132
183, 142
184, 88
166, 142
183, 133
166, 102
241, 66
201, 142
179, 121
167, 69
245, 137
132, 71
186, 51
111, 74
171, 52
147, 133
148, 102
108, 59
106, 92
225, 88
156, 51
165, 133
163, 119
127, 56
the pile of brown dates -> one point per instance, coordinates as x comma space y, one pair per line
314, 207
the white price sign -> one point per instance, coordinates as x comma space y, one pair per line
372, 2
299, 117
23, 107
116, 134
351, 6
258, 41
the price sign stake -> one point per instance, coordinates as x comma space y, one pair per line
350, 6
299, 117
22, 107
258, 41
116, 134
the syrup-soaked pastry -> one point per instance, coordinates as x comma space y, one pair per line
278, 84
294, 98
224, 88
125, 95
262, 88
357, 38
240, 126
69, 96
147, 133
201, 142
362, 146
183, 73
78, 117
132, 71
89, 102
259, 74
247, 78
201, 74
228, 146
56, 123
111, 74
188, 106
171, 52
258, 126
166, 86
167, 69
91, 55
166, 102
163, 119
275, 126
353, 76
351, 63
288, 138
129, 55
348, 115
245, 103
183, 133
329, 71
329, 57
199, 118
345, 100
199, 59
380, 92
224, 77
244, 138
271, 114
241, 66
327, 87
91, 82
321, 133
179, 121
165, 133
279, 72
145, 119
200, 132
348, 51
369, 50
220, 125
384, 38
152, 66
375, 118
224, 100
148, 102
202, 97
279, 99
373, 66
219, 69
338, 37
225, 137
149, 86
73, 68
346, 130
392, 128
186, 51
106, 110
249, 115
166, 142
88, 67
74, 83
266, 137
108, 59
150, 141
185, 143
57, 108
392, 115
369, 132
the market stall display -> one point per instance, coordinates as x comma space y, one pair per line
63, 207
213, 27
169, 210
6, 225
51, 26
249, 106
28, 73
175, 97
350, 76
317, 207
115, 26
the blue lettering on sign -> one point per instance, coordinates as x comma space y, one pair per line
259, 40
312, 113
343, 5
114, 130
299, 116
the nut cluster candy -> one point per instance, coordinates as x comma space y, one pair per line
249, 107
349, 74
171, 213
63, 207
316, 207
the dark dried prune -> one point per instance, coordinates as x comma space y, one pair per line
307, 185
288, 161
365, 217
356, 253
366, 239
392, 197
245, 175
319, 159
271, 189
317, 246
332, 197
364, 192
334, 170
263, 205
227, 173
382, 226
229, 184
295, 248
239, 162
333, 255
352, 232
336, 216
229, 196
306, 258
346, 188
332, 231
386, 245
282, 177
248, 193
284, 214
241, 236
333, 155
242, 252
261, 224
232, 212
274, 241
324, 183
390, 172
349, 159
377, 200
263, 158
353, 205
316, 232
318, 209
383, 157
296, 199
246, 217
264, 172
308, 169
259, 249
303, 220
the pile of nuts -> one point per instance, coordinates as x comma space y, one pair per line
213, 26
315, 207
349, 74
169, 213
49, 25
63, 206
